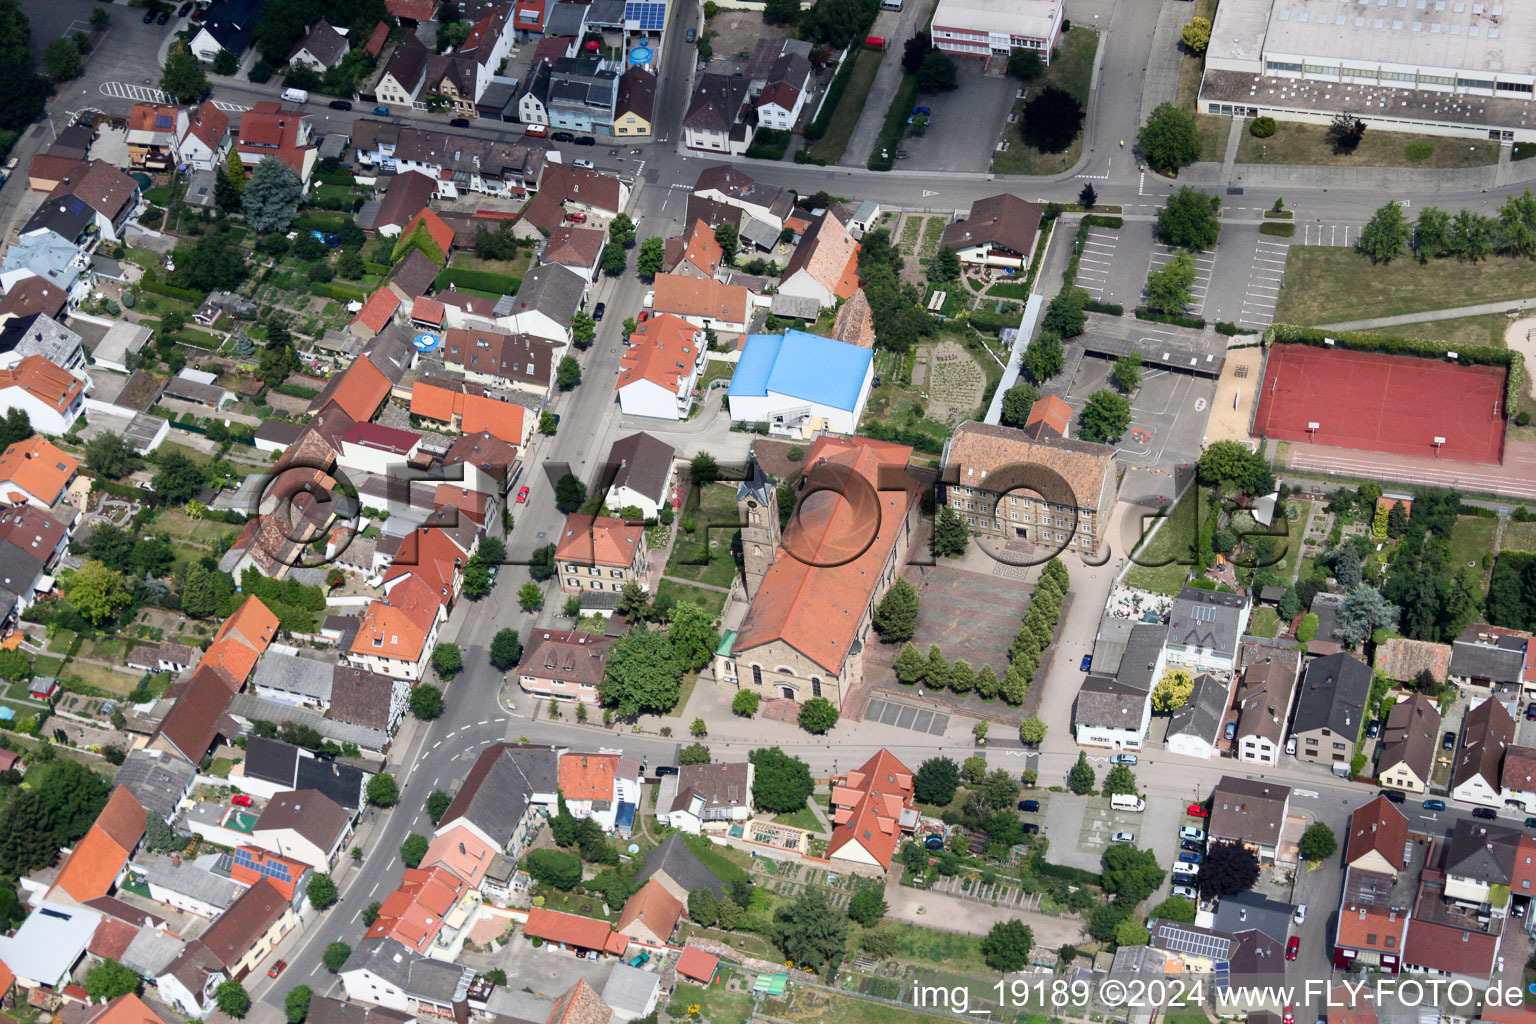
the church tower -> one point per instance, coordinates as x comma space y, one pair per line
758, 510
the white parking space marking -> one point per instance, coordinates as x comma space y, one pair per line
1205, 262
1264, 282
1329, 234
1094, 263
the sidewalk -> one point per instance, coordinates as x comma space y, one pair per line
1509, 305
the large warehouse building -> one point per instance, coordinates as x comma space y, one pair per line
1438, 67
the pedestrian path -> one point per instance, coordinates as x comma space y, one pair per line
1480, 309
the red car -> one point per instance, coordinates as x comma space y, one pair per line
276, 968
1289, 1016
1196, 810
241, 800
1293, 947
522, 496
644, 316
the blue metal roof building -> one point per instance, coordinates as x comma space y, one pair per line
805, 367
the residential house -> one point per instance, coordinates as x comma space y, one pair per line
634, 109
1000, 232
600, 553
679, 870
34, 294
702, 796
385, 973
567, 190
451, 79
1488, 660
242, 937
273, 768
583, 92
760, 202
1487, 731
564, 664
57, 264
321, 48
807, 624
1110, 713
783, 96
228, 25
601, 787
696, 254
428, 913
504, 797
575, 248
110, 199
871, 809
407, 195
270, 130
289, 875
152, 135
651, 915
36, 472
190, 981
631, 992
642, 472
1264, 696
489, 464
404, 72
1194, 730
825, 265
365, 700
532, 101
1402, 660
40, 335
719, 118
1408, 745
1251, 813
160, 782
1204, 627
305, 825
1053, 491
456, 404
725, 308
377, 449
203, 138
660, 368
801, 384
512, 362
545, 305
395, 641
197, 719
1517, 778
51, 398
325, 1010
93, 867
1330, 709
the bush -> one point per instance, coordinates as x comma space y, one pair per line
1263, 127
1108, 308
1417, 152
1230, 329
883, 156
1194, 322
1282, 230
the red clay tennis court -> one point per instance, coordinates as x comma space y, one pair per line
1382, 403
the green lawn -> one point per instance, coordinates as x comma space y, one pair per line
712, 601
717, 1003
101, 676
704, 554
714, 369
1297, 143
1471, 540
1072, 70
1519, 537
1172, 543
1487, 329
1215, 132
846, 1009
845, 116
1265, 622
927, 946
1334, 284
803, 818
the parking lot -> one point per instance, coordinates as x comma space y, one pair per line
1080, 828
1114, 263
1245, 284
1205, 262
1098, 258
964, 124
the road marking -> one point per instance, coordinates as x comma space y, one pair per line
437, 744
1307, 794
374, 889
485, 722
927, 193
230, 108
137, 93
500, 720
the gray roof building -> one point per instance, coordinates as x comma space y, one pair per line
550, 289
293, 674
1143, 650
1254, 910
151, 952
499, 788
642, 464
673, 859
158, 780
1493, 662
283, 764
1207, 619
630, 991
443, 983
1109, 703
1201, 715
1333, 695
583, 86
188, 879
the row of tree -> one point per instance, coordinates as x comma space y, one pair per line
1464, 235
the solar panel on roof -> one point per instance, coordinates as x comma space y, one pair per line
162, 120
649, 17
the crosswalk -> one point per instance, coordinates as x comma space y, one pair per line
149, 94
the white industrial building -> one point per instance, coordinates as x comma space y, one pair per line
995, 28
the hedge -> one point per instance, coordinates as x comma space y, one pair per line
1194, 322
480, 280
1111, 308
1042, 244
1229, 328
920, 441
1098, 220
817, 128
380, 269
768, 144
895, 127
295, 391
170, 291
332, 290
1282, 229
1067, 873
991, 323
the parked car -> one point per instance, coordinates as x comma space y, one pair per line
643, 317
1448, 741
1196, 810
1530, 822
665, 769
459, 122
586, 140
1374, 729
522, 495
241, 800
1191, 857
1030, 806
1293, 947
1189, 892
1231, 730
1289, 1017
1087, 662
381, 111
185, 9
1129, 760
149, 16
585, 165
576, 218
598, 310
563, 137
1518, 908
198, 15
277, 968
691, 35
165, 16
1393, 795
1123, 837
1190, 832
341, 104
1300, 917
921, 110
1486, 813
1434, 805
1190, 845
1030, 828
1530, 712
1187, 871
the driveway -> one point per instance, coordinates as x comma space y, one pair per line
897, 27
965, 123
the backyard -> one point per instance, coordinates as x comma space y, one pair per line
1173, 544
845, 116
948, 382
703, 554
1334, 284
1471, 542
1072, 71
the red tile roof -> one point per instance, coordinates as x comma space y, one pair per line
663, 350
427, 311
37, 466
359, 391
416, 10
379, 310
653, 909
441, 233
54, 387
600, 540
96, 861
268, 129
588, 776
697, 964
1052, 412
571, 930
376, 41
867, 809
208, 124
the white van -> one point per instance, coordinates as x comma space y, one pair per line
890, 5
1127, 802
296, 95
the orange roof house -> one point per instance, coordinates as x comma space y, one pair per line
429, 554
600, 540
462, 851
413, 914
251, 864
358, 391
664, 351
57, 389
437, 229
697, 965
574, 932
651, 915
825, 264
867, 811
35, 470
389, 633
587, 777
93, 866
125, 1009
427, 312
472, 413
702, 251
702, 300
240, 641
376, 313
1049, 417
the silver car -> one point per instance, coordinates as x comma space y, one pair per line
1123, 837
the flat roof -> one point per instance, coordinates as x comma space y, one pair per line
1034, 18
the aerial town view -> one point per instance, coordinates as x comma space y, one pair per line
786, 511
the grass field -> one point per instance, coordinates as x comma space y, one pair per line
1072, 70
100, 675
1487, 329
1172, 543
845, 116
1471, 540
1333, 284
712, 601
1296, 143
1215, 132
1518, 537
1265, 622
704, 554
1192, 65
803, 818
946, 950
800, 1004
717, 1003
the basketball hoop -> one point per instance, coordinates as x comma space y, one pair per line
1437, 443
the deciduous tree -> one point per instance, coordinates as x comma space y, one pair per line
817, 715
1105, 417
1172, 691
1170, 139
1385, 234
1051, 119
183, 76
808, 931
781, 783
643, 674
1007, 946
895, 617
1189, 219
1017, 402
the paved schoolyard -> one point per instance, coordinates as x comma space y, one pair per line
1245, 284
969, 614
